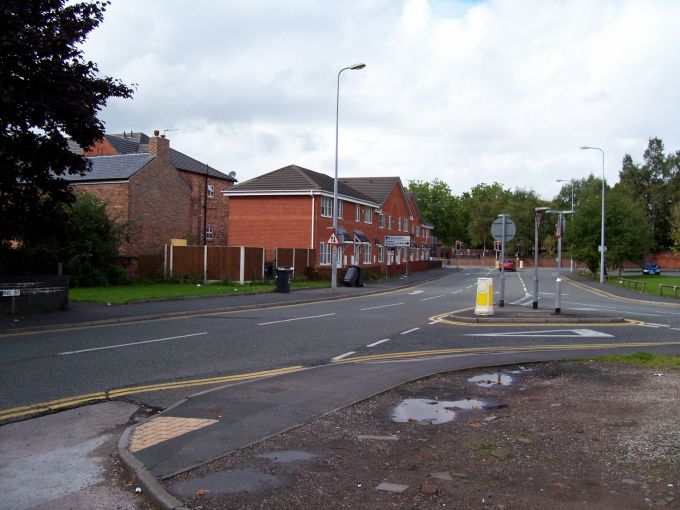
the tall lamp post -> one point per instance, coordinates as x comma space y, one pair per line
334, 249
571, 249
603, 248
538, 212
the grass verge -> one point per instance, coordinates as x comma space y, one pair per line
122, 294
643, 359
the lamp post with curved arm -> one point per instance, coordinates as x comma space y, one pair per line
603, 248
334, 249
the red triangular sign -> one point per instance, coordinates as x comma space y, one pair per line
333, 239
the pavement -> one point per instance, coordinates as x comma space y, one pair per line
219, 421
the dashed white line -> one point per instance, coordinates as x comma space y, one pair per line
409, 331
378, 342
457, 291
383, 306
296, 319
131, 343
433, 297
343, 356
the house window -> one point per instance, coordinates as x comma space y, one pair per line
211, 190
367, 254
381, 254
418, 231
326, 207
209, 233
357, 214
399, 224
389, 222
405, 225
381, 220
340, 208
325, 254
368, 215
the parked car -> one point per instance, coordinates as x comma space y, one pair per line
651, 268
508, 265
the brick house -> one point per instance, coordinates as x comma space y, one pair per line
164, 193
292, 208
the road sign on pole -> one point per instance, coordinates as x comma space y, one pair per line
333, 239
397, 241
497, 229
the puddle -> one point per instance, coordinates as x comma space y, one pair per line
430, 411
287, 456
227, 482
488, 380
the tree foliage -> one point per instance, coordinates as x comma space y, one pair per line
48, 92
655, 183
441, 209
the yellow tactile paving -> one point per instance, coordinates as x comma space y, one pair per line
163, 428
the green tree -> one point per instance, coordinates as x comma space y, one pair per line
520, 207
48, 92
90, 257
652, 182
627, 232
440, 208
482, 204
675, 225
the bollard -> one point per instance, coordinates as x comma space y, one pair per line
484, 296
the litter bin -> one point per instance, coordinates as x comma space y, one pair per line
283, 277
353, 277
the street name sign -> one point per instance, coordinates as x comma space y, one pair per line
397, 241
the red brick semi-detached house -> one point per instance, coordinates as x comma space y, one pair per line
164, 194
292, 208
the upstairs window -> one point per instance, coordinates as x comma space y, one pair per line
209, 234
381, 220
340, 209
357, 214
405, 225
399, 225
326, 207
368, 215
211, 190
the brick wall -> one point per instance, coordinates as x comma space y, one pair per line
218, 207
101, 148
159, 207
270, 222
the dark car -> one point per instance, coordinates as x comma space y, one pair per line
651, 268
508, 265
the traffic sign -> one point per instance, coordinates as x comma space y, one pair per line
395, 241
333, 239
497, 230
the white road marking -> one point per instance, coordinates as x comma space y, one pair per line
131, 343
383, 306
457, 291
409, 331
519, 301
296, 319
522, 282
433, 297
378, 342
560, 333
343, 356
416, 292
654, 325
431, 323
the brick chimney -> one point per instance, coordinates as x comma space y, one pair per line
159, 146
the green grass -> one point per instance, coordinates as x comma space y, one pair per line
121, 294
643, 359
654, 281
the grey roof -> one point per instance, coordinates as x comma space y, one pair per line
378, 188
112, 168
296, 178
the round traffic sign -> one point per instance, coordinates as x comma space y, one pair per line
497, 230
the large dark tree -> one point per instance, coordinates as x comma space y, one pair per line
48, 93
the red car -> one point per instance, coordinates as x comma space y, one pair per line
508, 265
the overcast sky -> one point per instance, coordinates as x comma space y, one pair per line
464, 91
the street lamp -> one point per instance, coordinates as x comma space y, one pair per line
558, 279
334, 249
538, 212
602, 245
571, 251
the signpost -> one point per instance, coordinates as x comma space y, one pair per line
503, 229
399, 242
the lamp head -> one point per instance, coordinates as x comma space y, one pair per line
541, 209
584, 147
357, 66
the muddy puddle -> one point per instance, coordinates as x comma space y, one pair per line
435, 412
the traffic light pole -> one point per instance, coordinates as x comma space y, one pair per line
501, 301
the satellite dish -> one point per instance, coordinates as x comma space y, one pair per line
232, 174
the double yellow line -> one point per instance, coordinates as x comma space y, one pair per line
54, 405
482, 350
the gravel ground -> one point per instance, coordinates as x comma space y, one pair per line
558, 435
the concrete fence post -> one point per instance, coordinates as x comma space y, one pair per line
242, 267
172, 249
205, 264
263, 257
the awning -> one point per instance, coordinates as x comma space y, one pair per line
343, 237
377, 242
360, 238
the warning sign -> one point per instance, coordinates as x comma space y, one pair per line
333, 239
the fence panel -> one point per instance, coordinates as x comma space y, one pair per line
149, 266
285, 257
224, 262
187, 261
253, 262
302, 255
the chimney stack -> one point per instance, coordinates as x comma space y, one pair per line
159, 146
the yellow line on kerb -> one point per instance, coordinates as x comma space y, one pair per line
481, 350
43, 407
441, 319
